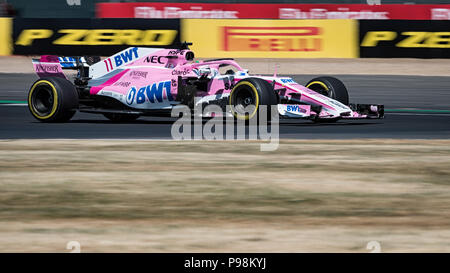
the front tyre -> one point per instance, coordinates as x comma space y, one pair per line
248, 95
52, 99
329, 87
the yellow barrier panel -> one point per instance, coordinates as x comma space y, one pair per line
5, 36
248, 38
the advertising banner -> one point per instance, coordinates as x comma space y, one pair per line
272, 11
404, 39
272, 38
5, 36
101, 37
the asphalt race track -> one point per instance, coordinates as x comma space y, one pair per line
417, 107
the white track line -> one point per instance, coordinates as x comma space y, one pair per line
13, 104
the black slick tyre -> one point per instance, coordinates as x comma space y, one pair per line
247, 97
53, 99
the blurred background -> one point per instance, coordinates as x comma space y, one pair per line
364, 29
337, 188
87, 9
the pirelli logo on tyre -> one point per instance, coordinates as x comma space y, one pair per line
91, 36
272, 38
404, 39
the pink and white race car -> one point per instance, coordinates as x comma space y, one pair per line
152, 81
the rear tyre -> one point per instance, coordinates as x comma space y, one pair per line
53, 99
248, 95
121, 117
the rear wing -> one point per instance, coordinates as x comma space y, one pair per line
48, 66
72, 62
93, 66
52, 66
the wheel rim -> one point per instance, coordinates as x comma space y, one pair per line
42, 100
244, 101
320, 88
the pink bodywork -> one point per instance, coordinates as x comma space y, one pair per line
146, 78
155, 68
48, 66
132, 83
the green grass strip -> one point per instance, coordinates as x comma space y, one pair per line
12, 102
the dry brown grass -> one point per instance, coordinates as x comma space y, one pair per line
151, 196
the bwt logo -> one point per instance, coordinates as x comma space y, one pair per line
295, 108
289, 39
121, 58
287, 80
151, 93
126, 56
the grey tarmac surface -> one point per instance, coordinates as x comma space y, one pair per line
415, 101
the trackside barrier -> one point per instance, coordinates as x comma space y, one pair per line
245, 38
235, 38
152, 10
404, 39
5, 36
104, 37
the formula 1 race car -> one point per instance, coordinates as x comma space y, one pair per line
152, 81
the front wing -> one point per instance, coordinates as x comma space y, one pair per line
358, 111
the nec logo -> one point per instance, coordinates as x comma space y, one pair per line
289, 39
154, 59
